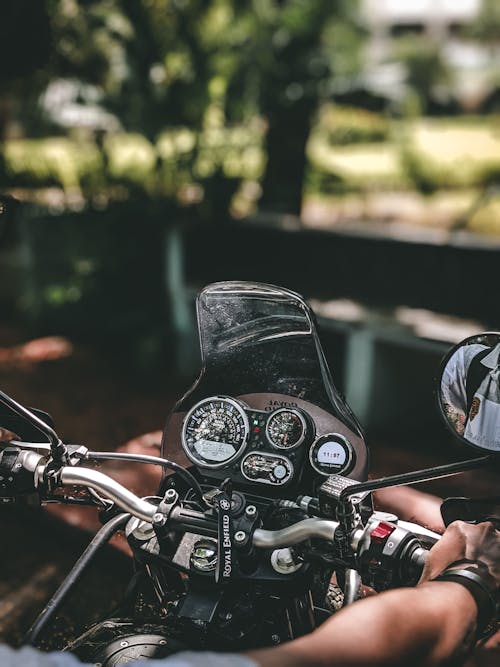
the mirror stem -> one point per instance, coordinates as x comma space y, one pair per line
426, 475
58, 449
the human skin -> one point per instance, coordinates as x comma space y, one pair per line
411, 505
432, 624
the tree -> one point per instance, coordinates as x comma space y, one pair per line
291, 57
212, 64
426, 73
486, 26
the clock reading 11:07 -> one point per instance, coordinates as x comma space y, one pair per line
331, 454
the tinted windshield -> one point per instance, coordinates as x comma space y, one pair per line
257, 338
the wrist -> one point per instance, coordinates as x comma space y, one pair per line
453, 617
474, 577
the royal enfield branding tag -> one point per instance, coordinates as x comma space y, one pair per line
225, 538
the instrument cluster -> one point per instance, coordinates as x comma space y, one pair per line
221, 434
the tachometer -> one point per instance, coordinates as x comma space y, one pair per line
215, 432
286, 428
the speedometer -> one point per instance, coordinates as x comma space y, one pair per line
215, 432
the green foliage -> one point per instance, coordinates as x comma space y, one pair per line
55, 161
421, 173
213, 67
426, 73
320, 181
340, 126
486, 26
180, 157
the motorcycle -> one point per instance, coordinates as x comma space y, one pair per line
270, 526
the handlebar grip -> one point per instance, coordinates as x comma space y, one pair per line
419, 558
17, 475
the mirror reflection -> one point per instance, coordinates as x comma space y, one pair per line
469, 390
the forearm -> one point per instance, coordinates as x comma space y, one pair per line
422, 626
411, 505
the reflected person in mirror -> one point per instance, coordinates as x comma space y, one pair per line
470, 394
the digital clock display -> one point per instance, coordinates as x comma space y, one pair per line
332, 454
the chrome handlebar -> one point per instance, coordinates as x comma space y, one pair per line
142, 509
108, 487
298, 532
266, 539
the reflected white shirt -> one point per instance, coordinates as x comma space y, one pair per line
483, 427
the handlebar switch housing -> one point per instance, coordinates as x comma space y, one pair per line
385, 556
17, 476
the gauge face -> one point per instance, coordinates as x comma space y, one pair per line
332, 454
286, 429
215, 432
267, 468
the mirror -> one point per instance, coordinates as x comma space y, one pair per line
469, 391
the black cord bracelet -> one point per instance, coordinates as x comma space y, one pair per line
482, 586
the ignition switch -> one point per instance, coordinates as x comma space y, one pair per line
204, 555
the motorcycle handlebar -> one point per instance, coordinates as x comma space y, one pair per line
299, 532
142, 509
311, 528
265, 539
113, 490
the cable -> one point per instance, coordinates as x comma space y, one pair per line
188, 477
99, 539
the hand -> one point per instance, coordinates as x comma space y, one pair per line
7, 436
464, 540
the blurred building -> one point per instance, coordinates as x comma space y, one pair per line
474, 66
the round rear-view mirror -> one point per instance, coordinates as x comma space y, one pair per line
469, 391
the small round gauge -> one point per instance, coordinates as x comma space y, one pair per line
215, 432
332, 454
286, 429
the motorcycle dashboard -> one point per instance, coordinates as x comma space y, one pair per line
264, 410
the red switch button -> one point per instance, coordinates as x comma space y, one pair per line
381, 532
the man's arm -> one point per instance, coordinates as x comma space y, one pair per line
411, 505
432, 624
422, 626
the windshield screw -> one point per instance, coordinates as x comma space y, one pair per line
123, 644
240, 536
158, 519
251, 510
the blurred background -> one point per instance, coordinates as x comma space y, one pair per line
348, 150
